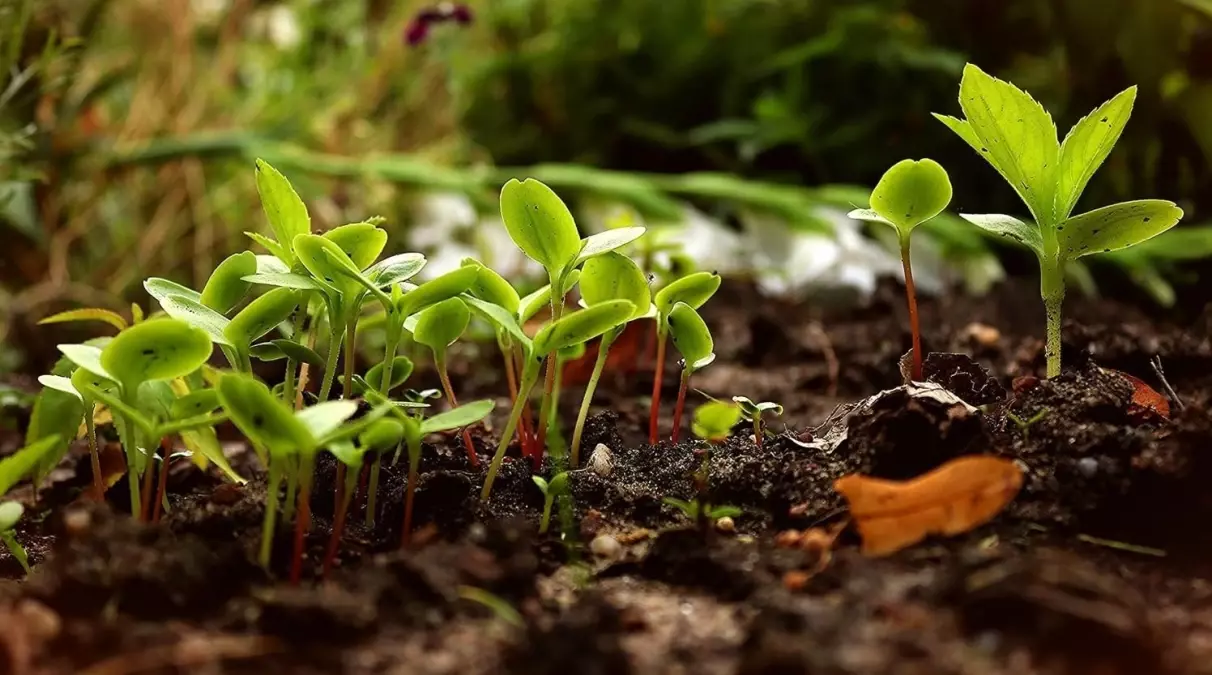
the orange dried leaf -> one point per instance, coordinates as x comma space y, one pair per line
954, 498
1146, 401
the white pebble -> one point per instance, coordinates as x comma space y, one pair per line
725, 524
601, 461
606, 547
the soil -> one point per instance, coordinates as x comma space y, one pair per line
1101, 564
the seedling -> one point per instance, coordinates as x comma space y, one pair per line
10, 513
754, 412
692, 290
577, 327
380, 436
692, 509
1024, 425
557, 486
713, 423
693, 341
1018, 137
543, 228
909, 194
611, 276
14, 468
439, 326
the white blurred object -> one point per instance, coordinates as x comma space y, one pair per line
447, 229
282, 27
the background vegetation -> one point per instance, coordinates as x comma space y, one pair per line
128, 128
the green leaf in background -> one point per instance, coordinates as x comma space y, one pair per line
227, 285
582, 325
1086, 146
87, 357
691, 336
382, 435
395, 269
22, 463
605, 242
462, 416
1116, 226
261, 416
441, 324
362, 242
323, 418
401, 370
299, 352
160, 289
195, 403
501, 318
198, 315
89, 314
159, 349
713, 421
287, 213
540, 224
534, 302
436, 290
492, 287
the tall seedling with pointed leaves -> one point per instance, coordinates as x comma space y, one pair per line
439, 326
542, 226
1018, 137
909, 194
693, 341
692, 290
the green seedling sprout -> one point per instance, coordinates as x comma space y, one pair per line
692, 339
439, 326
754, 412
692, 509
21, 464
541, 225
610, 276
577, 327
713, 423
380, 436
558, 484
909, 194
692, 290
1024, 425
1018, 137
10, 513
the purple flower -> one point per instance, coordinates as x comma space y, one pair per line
418, 29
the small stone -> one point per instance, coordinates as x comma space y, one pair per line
226, 494
725, 524
796, 580
788, 538
77, 522
1087, 467
606, 547
601, 461
1024, 383
982, 334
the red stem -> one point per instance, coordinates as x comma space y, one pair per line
677, 409
302, 525
339, 487
658, 375
162, 490
548, 388
911, 296
338, 527
525, 438
408, 499
454, 403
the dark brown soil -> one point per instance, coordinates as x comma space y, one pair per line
1102, 564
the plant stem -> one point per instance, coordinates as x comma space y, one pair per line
414, 466
345, 495
757, 430
439, 361
511, 378
657, 375
94, 453
1052, 287
303, 522
130, 445
598, 366
288, 387
15, 547
394, 330
681, 404
529, 375
372, 491
292, 489
305, 368
546, 520
557, 309
351, 333
271, 511
911, 298
330, 366
162, 488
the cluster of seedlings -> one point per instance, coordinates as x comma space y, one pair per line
314, 295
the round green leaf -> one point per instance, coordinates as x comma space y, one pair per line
559, 483
436, 290
713, 421
227, 286
159, 349
583, 325
613, 276
911, 192
323, 418
267, 352
10, 513
492, 287
382, 434
261, 416
195, 403
62, 384
540, 224
691, 336
401, 369
299, 352
571, 352
87, 357
439, 325
362, 242
692, 289
324, 259
395, 269
261, 315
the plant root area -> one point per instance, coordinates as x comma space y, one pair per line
1102, 563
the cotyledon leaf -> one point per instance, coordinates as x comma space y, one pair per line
1009, 227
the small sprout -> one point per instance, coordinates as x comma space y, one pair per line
495, 603
439, 326
692, 509
693, 341
287, 213
714, 420
909, 194
754, 412
1024, 426
692, 290
1018, 137
557, 486
10, 513
88, 314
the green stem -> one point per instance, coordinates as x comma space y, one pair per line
351, 333
372, 490
271, 512
292, 487
130, 445
94, 453
598, 366
529, 375
414, 466
15, 547
330, 365
546, 520
394, 331
288, 388
1052, 287
557, 309
303, 522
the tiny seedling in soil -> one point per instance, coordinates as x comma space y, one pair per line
693, 341
10, 513
1018, 137
380, 436
691, 290
1024, 425
439, 326
754, 412
550, 491
691, 509
713, 423
909, 194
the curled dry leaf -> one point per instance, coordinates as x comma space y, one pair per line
1147, 404
954, 498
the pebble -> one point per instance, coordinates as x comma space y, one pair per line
606, 547
725, 524
226, 494
601, 461
77, 521
1087, 467
982, 334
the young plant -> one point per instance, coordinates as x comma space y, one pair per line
22, 464
577, 327
557, 486
10, 513
611, 276
1018, 137
693, 341
754, 412
692, 509
543, 228
713, 423
909, 194
379, 437
439, 326
692, 290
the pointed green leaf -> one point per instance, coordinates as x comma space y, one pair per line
266, 352
870, 216
441, 324
348, 454
500, 318
1009, 227
395, 269
163, 288
87, 357
261, 315
286, 212
323, 418
612, 276
605, 242
1117, 226
911, 192
541, 483
286, 280
462, 416
401, 370
540, 224
24, 462
534, 302
261, 416
270, 264
362, 242
492, 287
55, 413
227, 286
690, 335
58, 383
692, 289
195, 403
582, 325
196, 314
205, 443
713, 421
278, 251
159, 349
88, 314
301, 353
1086, 146
326, 261
570, 353
436, 290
